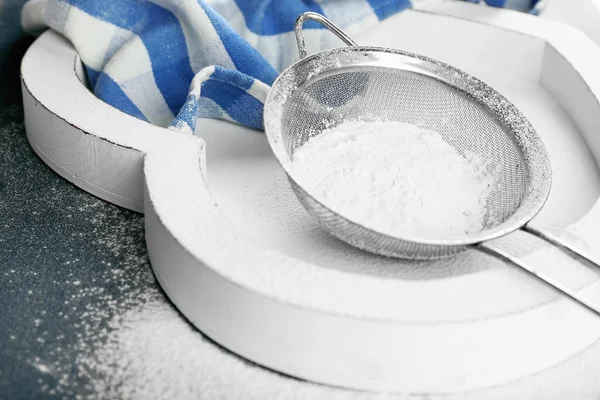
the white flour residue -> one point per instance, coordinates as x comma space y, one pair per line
151, 352
396, 178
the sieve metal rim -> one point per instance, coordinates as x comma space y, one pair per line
538, 167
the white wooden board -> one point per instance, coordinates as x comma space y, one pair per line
241, 260
581, 14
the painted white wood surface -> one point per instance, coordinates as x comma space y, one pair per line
581, 14
483, 324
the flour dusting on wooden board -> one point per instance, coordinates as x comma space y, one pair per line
396, 178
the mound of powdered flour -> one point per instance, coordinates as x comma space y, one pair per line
395, 178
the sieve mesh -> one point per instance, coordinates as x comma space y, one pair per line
376, 84
385, 94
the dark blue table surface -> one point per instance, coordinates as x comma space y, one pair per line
56, 244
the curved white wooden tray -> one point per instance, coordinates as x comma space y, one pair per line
450, 334
581, 14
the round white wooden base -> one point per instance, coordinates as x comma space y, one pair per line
452, 334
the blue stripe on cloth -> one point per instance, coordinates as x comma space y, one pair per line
496, 3
534, 10
531, 6
272, 17
110, 91
162, 36
242, 81
236, 102
245, 57
384, 9
222, 94
92, 77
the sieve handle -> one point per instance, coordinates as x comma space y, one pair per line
494, 251
323, 21
561, 244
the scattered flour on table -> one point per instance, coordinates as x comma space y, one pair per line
396, 178
151, 352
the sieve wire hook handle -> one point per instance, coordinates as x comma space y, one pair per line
323, 21
558, 242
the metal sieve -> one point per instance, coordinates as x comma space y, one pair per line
328, 88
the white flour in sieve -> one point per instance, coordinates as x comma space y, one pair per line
396, 178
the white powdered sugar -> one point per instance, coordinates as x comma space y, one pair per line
396, 178
151, 352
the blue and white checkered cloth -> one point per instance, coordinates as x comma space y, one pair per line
531, 6
169, 62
